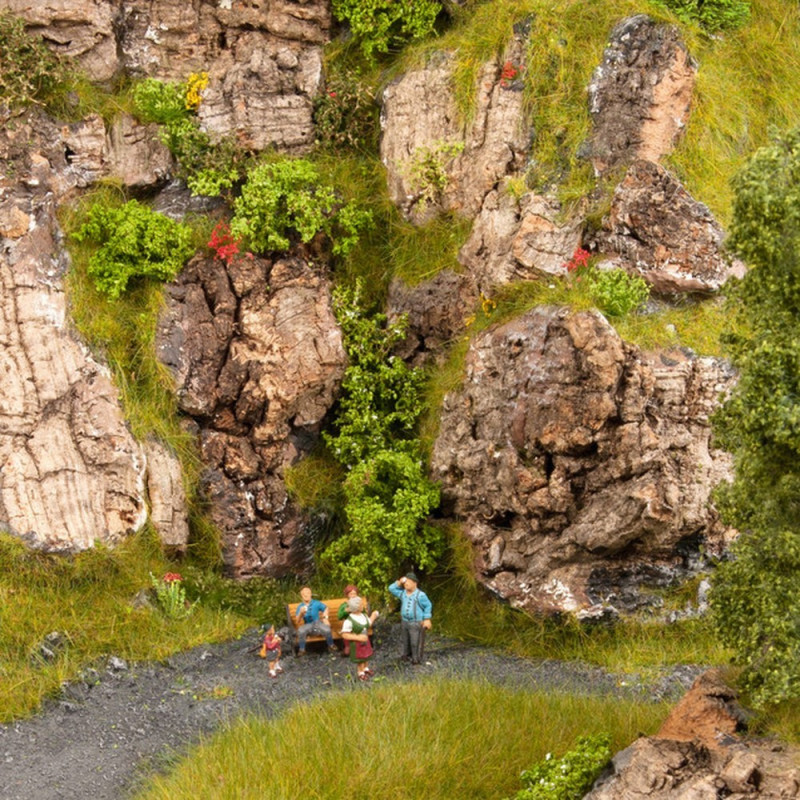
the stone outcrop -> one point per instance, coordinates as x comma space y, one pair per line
698, 754
640, 94
519, 239
257, 358
437, 312
656, 229
71, 474
579, 466
421, 125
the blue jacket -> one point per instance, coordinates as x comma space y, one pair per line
312, 610
414, 607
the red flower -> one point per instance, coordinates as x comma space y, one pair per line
508, 73
223, 244
171, 577
580, 258
331, 94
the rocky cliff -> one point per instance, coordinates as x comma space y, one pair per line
579, 466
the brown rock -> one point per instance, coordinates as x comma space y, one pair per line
639, 96
135, 154
419, 115
167, 495
257, 357
655, 228
579, 467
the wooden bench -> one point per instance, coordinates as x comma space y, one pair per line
333, 621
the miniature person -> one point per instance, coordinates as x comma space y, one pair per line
415, 615
312, 617
349, 591
356, 629
271, 650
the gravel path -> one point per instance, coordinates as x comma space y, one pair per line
101, 737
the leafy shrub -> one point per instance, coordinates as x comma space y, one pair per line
712, 15
209, 168
615, 292
569, 777
346, 114
259, 598
29, 71
171, 596
134, 242
427, 171
384, 25
286, 200
755, 598
387, 494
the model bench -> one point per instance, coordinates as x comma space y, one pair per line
333, 621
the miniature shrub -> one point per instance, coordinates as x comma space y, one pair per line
285, 201
712, 15
755, 598
384, 25
427, 171
29, 71
615, 292
569, 777
387, 493
134, 242
346, 114
156, 101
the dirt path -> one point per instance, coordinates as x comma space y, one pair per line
102, 736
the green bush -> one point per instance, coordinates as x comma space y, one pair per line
387, 493
569, 777
29, 71
285, 200
384, 25
346, 113
712, 15
156, 101
615, 292
755, 599
134, 242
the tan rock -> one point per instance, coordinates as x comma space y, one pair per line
167, 495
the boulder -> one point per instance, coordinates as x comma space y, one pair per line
519, 239
698, 753
640, 94
422, 130
656, 229
257, 358
580, 467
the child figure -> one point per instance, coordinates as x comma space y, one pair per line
271, 650
355, 629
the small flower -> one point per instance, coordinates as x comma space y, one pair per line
170, 577
331, 94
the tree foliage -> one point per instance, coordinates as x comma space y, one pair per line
388, 495
756, 597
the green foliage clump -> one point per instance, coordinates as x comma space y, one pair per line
209, 168
427, 171
712, 15
346, 114
387, 494
615, 292
286, 200
384, 25
756, 599
134, 242
29, 71
568, 777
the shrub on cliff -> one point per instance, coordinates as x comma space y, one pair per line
756, 597
133, 242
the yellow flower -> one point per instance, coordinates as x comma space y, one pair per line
195, 84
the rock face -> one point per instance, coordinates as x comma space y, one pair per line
71, 473
697, 754
263, 59
579, 466
434, 161
436, 311
257, 357
659, 231
639, 96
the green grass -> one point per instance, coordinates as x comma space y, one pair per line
438, 740
87, 598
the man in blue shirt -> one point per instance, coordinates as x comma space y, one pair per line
313, 614
415, 616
